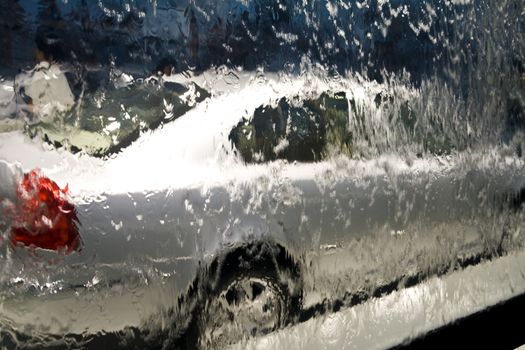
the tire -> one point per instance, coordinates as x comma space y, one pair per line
251, 290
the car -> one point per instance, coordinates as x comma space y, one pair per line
175, 244
203, 174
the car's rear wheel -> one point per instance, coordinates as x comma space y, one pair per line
253, 289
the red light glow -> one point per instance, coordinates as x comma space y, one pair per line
44, 218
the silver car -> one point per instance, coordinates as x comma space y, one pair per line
197, 248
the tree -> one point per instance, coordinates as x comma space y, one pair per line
50, 32
193, 32
49, 15
80, 14
11, 22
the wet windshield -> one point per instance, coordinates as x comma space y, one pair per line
373, 143
93, 76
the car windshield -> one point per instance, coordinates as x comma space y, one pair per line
199, 173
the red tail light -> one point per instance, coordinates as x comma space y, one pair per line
44, 218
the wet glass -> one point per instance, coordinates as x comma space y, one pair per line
197, 173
